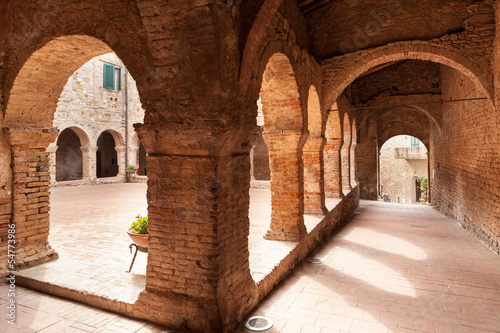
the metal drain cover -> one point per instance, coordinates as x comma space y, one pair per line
258, 323
316, 261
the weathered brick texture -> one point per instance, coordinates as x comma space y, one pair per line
199, 78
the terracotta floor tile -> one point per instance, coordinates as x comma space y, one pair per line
382, 274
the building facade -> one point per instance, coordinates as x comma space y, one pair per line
403, 170
95, 115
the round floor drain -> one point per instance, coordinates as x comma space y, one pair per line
316, 261
258, 323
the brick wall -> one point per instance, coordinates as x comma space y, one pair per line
466, 166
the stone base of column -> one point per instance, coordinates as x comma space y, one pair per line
33, 258
279, 235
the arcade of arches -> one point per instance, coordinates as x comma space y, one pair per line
332, 83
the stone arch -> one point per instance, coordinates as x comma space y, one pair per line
69, 157
331, 154
283, 124
362, 61
257, 31
108, 155
81, 132
33, 98
345, 154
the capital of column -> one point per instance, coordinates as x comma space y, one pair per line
30, 138
88, 149
313, 144
201, 141
282, 139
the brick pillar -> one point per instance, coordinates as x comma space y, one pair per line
198, 201
331, 157
5, 201
287, 196
346, 167
89, 162
354, 181
314, 202
366, 158
31, 180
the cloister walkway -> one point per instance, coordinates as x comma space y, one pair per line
393, 268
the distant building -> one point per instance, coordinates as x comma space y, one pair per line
403, 166
95, 138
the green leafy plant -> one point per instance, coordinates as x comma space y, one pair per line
424, 187
130, 167
140, 225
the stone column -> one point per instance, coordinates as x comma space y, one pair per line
89, 162
132, 157
120, 160
287, 195
331, 158
314, 200
30, 210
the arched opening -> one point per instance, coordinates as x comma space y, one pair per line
311, 158
69, 163
141, 156
89, 239
280, 118
282, 133
354, 143
331, 158
403, 170
106, 156
345, 155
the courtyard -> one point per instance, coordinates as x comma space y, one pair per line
392, 268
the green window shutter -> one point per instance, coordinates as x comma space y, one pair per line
119, 78
109, 77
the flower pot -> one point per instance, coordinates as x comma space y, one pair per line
140, 239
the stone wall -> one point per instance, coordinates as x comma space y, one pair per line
88, 109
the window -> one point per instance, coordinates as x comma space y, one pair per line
414, 143
112, 76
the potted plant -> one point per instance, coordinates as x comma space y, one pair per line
130, 170
138, 231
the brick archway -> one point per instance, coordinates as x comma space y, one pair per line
33, 98
283, 135
345, 154
358, 63
257, 31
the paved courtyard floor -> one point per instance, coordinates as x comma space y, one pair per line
395, 268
